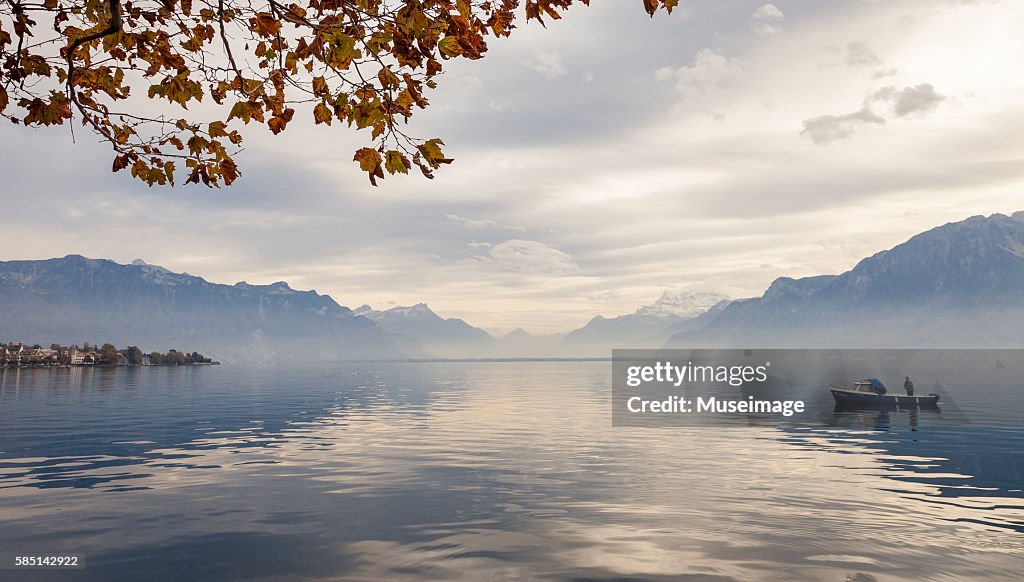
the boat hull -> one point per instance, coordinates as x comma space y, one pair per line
851, 398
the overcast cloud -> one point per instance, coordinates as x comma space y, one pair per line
599, 162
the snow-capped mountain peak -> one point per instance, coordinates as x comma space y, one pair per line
681, 304
419, 310
437, 334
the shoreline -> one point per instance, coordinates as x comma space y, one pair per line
49, 366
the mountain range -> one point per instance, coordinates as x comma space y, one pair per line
957, 285
649, 326
442, 337
75, 299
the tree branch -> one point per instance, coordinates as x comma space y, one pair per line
113, 27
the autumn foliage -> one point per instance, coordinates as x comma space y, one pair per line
368, 64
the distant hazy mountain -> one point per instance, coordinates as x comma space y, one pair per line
519, 343
517, 335
957, 285
698, 321
442, 337
75, 299
650, 325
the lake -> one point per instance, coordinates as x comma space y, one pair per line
502, 470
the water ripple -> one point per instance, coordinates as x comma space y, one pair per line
470, 471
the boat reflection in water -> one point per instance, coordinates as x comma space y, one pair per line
845, 416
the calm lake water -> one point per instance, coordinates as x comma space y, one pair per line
490, 471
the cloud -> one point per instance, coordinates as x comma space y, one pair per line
766, 20
479, 223
498, 105
710, 71
919, 99
909, 101
548, 64
603, 296
825, 129
859, 53
530, 256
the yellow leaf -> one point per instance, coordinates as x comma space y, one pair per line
449, 46
395, 162
242, 111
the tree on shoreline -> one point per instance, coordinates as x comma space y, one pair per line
109, 354
18, 353
364, 63
134, 355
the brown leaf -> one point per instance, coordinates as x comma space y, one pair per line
229, 170
322, 114
264, 24
369, 161
320, 88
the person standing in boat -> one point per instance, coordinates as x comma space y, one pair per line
909, 387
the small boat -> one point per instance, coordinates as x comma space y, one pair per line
872, 392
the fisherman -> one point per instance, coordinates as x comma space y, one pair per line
909, 387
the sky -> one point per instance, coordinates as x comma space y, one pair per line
599, 162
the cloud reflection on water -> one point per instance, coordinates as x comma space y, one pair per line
490, 470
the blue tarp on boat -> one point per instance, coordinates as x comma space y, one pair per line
877, 384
